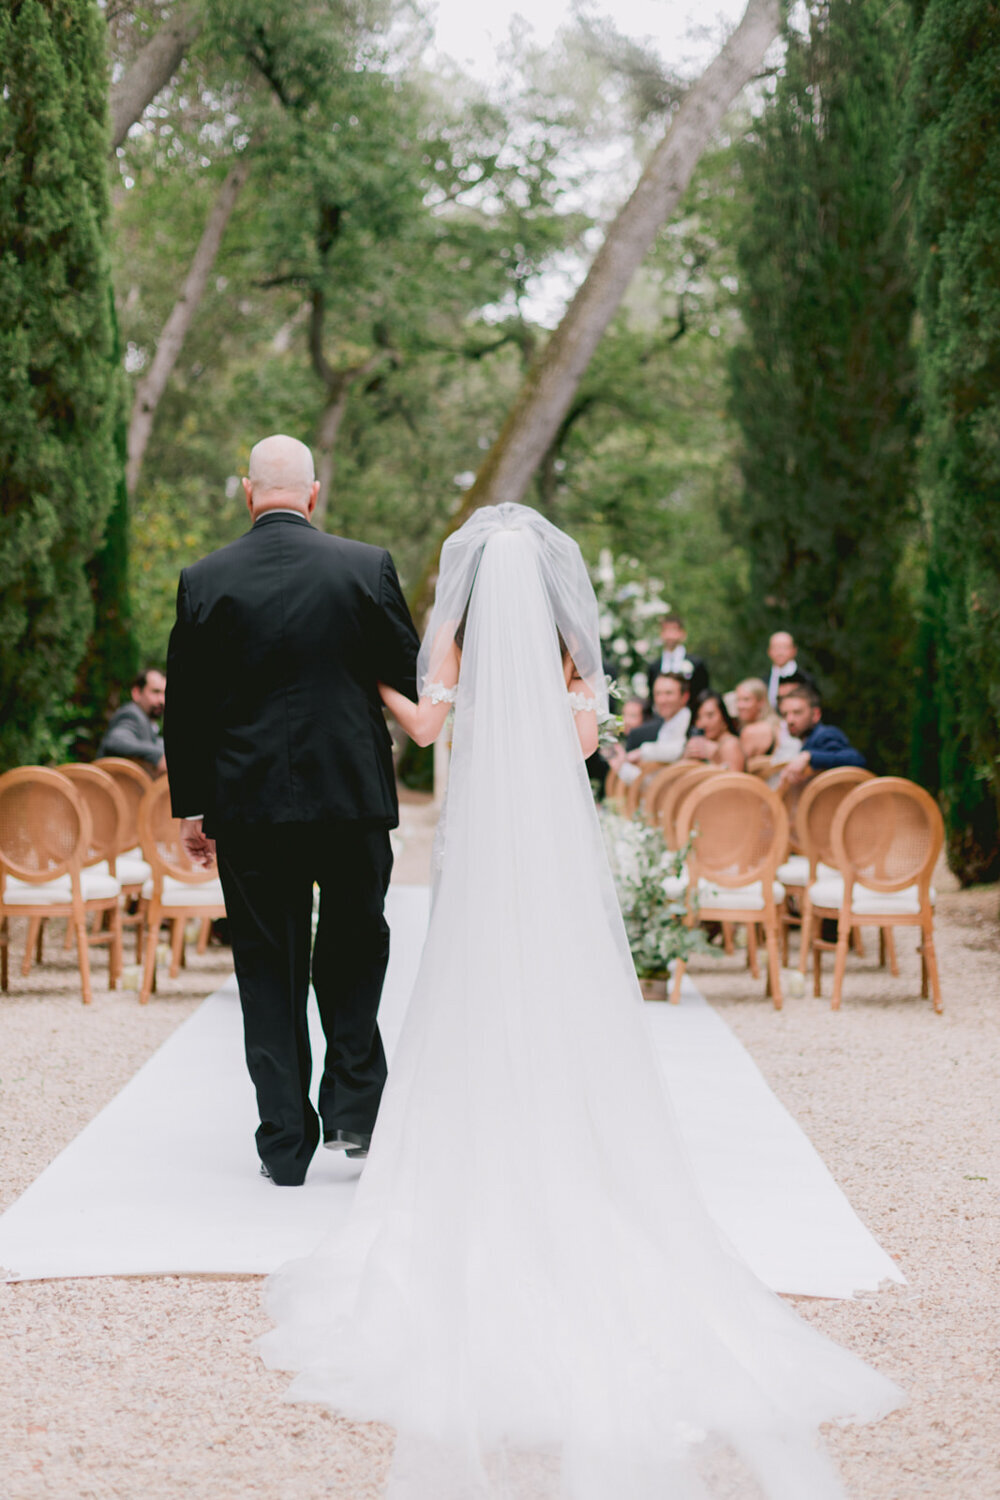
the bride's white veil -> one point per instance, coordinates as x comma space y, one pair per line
555, 563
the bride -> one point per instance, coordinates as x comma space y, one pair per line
530, 1290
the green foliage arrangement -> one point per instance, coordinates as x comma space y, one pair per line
824, 381
59, 372
953, 120
645, 875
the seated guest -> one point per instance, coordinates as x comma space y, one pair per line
132, 732
633, 715
759, 726
714, 739
675, 657
823, 745
664, 737
783, 652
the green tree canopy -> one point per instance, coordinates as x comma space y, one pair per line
953, 121
823, 384
59, 372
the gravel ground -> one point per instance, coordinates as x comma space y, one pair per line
151, 1387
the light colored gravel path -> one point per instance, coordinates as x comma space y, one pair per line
150, 1387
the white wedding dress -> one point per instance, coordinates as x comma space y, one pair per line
530, 1290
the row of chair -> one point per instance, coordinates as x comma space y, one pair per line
853, 848
97, 846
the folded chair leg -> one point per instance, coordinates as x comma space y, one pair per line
805, 936
923, 970
728, 946
79, 925
752, 963
149, 944
204, 934
4, 941
857, 938
31, 942
881, 947
177, 947
930, 954
890, 948
773, 964
115, 960
677, 981
843, 939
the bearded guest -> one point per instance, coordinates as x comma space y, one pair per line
133, 732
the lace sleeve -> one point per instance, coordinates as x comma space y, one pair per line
438, 693
581, 704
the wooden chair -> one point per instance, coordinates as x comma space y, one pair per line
690, 774
176, 891
635, 791
886, 838
131, 869
45, 836
817, 804
658, 788
741, 831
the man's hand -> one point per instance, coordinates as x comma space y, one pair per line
634, 756
199, 849
797, 769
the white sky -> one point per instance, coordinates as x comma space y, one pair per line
685, 34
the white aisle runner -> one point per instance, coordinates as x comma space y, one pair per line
165, 1179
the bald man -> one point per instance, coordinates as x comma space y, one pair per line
280, 768
783, 655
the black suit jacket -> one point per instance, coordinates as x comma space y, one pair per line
273, 713
698, 681
645, 733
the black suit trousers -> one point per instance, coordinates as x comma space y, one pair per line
268, 873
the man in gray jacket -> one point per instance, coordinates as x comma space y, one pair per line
133, 732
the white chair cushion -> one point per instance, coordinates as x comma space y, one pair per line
713, 897
179, 893
94, 885
130, 869
868, 903
795, 871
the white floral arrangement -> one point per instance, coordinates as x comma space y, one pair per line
652, 898
630, 605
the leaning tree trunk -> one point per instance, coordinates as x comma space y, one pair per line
151, 70
548, 390
152, 385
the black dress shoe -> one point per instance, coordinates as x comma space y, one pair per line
266, 1172
353, 1145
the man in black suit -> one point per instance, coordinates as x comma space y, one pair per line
675, 657
280, 766
783, 656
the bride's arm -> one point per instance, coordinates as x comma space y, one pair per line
586, 719
424, 720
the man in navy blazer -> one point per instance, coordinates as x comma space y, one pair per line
823, 745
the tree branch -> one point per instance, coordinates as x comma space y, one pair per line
150, 388
151, 71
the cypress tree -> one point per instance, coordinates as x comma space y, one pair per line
823, 382
59, 374
953, 136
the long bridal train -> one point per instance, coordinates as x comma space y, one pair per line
530, 1289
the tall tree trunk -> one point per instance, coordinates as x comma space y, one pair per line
151, 70
339, 385
548, 391
152, 385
